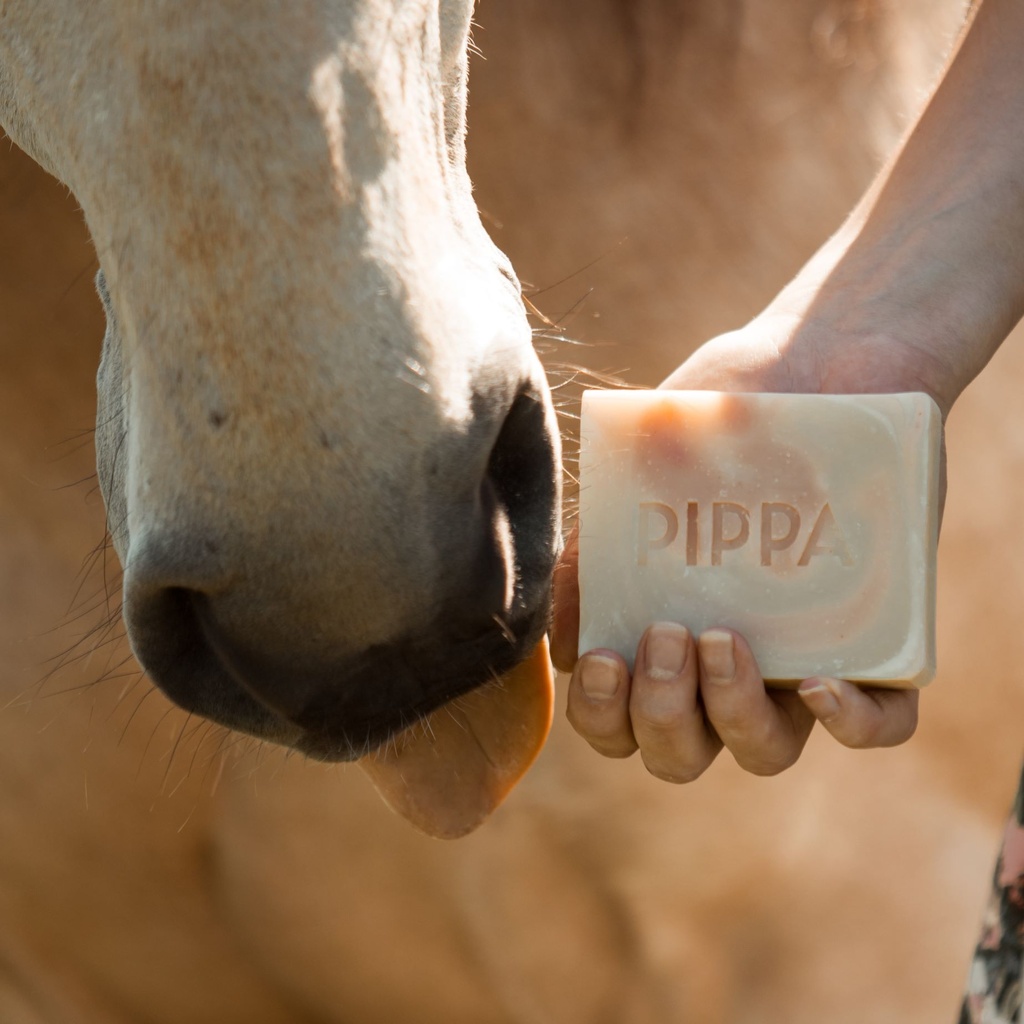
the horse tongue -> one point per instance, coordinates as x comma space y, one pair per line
446, 775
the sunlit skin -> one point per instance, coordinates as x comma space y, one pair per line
914, 293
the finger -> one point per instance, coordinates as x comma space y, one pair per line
598, 707
861, 718
764, 731
565, 615
664, 706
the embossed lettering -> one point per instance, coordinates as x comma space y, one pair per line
719, 541
826, 524
649, 509
780, 525
692, 536
769, 542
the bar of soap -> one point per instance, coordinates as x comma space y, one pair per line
809, 523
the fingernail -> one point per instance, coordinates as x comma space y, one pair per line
665, 653
599, 676
819, 695
717, 656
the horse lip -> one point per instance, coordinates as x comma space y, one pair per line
334, 725
380, 728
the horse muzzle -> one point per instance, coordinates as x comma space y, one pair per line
332, 643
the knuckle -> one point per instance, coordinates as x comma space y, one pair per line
662, 720
857, 733
767, 765
904, 729
904, 734
742, 729
891, 719
678, 775
857, 737
595, 730
586, 716
731, 719
606, 734
616, 749
878, 733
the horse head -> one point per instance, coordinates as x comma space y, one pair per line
326, 445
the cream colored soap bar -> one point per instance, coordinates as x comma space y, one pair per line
806, 522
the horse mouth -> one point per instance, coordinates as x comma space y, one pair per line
342, 708
443, 745
359, 716
447, 774
273, 640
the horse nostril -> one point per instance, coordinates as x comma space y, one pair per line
523, 469
167, 636
522, 464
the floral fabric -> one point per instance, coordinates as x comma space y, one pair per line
993, 993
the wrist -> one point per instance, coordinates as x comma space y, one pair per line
918, 302
931, 264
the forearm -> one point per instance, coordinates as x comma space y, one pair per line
933, 257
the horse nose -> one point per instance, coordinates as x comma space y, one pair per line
228, 632
524, 469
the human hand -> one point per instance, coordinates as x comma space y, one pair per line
915, 292
691, 696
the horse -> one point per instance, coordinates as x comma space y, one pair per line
154, 867
325, 444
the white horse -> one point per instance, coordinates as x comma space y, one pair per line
325, 441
